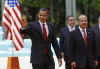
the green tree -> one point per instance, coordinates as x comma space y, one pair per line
91, 8
56, 8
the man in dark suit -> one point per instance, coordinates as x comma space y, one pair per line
42, 34
65, 40
97, 37
83, 46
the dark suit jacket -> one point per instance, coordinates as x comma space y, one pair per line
97, 37
41, 49
65, 43
80, 51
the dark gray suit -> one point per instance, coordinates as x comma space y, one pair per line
83, 55
65, 45
41, 49
97, 36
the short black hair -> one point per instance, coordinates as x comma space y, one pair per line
68, 17
43, 9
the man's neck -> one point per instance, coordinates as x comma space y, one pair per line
42, 21
71, 28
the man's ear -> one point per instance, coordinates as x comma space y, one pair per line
38, 15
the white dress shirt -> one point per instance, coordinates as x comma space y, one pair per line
81, 30
46, 26
71, 29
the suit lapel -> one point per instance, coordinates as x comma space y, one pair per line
67, 32
39, 29
49, 29
88, 34
97, 28
67, 29
80, 35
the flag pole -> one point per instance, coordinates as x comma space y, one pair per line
2, 5
2, 8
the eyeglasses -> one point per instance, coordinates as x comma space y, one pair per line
43, 15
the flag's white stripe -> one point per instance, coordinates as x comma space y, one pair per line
18, 35
16, 20
14, 26
6, 13
18, 12
7, 6
4, 20
15, 41
9, 36
8, 26
14, 37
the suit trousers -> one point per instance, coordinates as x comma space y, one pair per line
67, 66
43, 66
98, 67
86, 63
67, 62
40, 66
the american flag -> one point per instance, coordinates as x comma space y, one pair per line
11, 19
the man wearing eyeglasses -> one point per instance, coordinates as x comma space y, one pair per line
65, 40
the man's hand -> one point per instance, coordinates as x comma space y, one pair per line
24, 24
60, 62
97, 62
62, 54
73, 64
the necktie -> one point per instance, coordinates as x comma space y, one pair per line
85, 37
44, 32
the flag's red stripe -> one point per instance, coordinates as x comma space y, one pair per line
12, 18
21, 45
8, 29
17, 16
7, 11
15, 45
6, 35
4, 23
7, 19
18, 7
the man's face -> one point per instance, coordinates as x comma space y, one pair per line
43, 16
71, 21
83, 22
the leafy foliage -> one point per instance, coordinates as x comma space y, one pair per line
57, 9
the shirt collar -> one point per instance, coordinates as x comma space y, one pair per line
41, 22
99, 25
71, 29
81, 29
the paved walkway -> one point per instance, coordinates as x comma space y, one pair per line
25, 63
